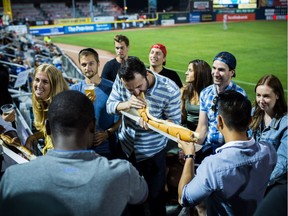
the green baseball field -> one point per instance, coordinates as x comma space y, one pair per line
260, 47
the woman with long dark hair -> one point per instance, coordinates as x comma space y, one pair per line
198, 76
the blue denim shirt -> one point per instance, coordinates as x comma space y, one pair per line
276, 134
235, 178
207, 95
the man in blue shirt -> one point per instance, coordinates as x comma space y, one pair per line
223, 69
143, 147
105, 142
234, 180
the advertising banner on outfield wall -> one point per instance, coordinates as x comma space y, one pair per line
181, 18
86, 28
166, 19
207, 17
72, 20
236, 17
272, 13
201, 17
69, 29
194, 17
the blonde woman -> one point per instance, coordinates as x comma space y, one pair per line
48, 81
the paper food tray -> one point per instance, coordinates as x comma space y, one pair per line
17, 158
133, 114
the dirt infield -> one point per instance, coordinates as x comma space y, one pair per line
72, 51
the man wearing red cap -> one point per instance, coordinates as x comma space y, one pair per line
157, 59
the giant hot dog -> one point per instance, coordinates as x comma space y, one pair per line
11, 142
167, 127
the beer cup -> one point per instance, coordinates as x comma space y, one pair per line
90, 90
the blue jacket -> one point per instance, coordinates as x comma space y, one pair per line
276, 134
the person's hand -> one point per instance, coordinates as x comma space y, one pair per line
136, 102
99, 137
91, 96
9, 117
187, 147
31, 142
143, 124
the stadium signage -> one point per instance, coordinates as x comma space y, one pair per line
167, 22
46, 30
206, 17
194, 17
181, 18
272, 13
201, 6
69, 29
76, 29
86, 28
236, 17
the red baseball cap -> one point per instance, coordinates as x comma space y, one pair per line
161, 47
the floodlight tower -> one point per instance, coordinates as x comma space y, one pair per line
73, 9
91, 10
125, 7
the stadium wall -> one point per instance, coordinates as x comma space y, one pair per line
107, 23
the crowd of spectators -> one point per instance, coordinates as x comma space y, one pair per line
239, 163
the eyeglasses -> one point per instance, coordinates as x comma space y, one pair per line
215, 101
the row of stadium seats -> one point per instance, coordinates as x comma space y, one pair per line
51, 11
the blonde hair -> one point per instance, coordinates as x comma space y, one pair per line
40, 107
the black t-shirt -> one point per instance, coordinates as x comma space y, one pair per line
110, 69
172, 75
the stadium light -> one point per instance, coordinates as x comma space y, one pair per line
73, 9
125, 7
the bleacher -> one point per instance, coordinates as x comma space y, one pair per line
26, 12
53, 10
99, 9
56, 10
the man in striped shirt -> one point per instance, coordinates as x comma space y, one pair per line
143, 147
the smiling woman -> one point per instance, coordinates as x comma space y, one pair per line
48, 81
41, 85
269, 122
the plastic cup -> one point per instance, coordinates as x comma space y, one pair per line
7, 108
89, 89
